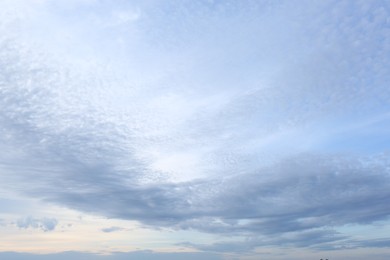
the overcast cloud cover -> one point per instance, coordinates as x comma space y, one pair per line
264, 123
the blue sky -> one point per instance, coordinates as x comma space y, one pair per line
194, 129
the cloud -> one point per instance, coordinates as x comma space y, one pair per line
311, 239
321, 240
249, 120
354, 243
45, 224
371, 243
112, 229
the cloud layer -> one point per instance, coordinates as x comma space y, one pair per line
263, 120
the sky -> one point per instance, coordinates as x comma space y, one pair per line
194, 129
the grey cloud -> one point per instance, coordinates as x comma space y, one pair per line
45, 224
302, 193
375, 243
112, 229
354, 243
315, 239
299, 195
312, 239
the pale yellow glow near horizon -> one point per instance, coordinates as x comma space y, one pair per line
82, 232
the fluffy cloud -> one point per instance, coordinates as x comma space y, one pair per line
45, 224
